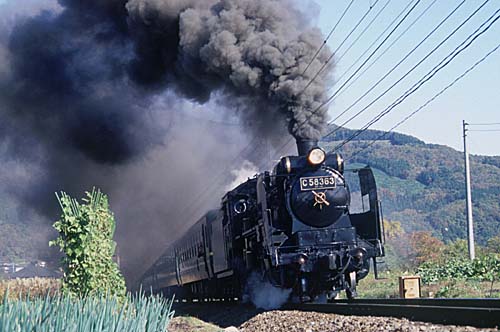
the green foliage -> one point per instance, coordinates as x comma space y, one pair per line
86, 238
91, 314
425, 248
491, 160
483, 268
407, 250
393, 137
493, 245
385, 287
457, 249
451, 289
388, 287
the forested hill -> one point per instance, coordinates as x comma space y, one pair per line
422, 185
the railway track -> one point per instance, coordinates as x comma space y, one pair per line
473, 312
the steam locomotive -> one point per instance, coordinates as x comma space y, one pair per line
293, 227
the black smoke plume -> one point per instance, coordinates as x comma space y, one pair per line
91, 92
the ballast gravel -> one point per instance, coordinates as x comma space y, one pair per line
300, 321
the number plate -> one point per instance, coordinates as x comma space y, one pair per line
317, 182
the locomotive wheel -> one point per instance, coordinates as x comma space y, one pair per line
331, 296
305, 299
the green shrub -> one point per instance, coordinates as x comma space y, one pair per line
483, 268
86, 238
91, 314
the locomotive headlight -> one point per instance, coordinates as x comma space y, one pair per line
316, 156
301, 259
358, 253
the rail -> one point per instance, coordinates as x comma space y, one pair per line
472, 312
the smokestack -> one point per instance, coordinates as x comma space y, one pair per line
304, 145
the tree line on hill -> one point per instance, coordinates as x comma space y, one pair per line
423, 185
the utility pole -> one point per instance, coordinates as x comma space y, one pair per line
470, 226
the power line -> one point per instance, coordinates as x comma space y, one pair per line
484, 130
203, 192
356, 26
411, 70
400, 62
369, 57
436, 68
484, 124
241, 154
327, 37
426, 77
364, 30
376, 40
378, 47
338, 47
464, 74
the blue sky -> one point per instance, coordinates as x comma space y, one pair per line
475, 98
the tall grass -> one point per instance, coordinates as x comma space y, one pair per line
29, 287
92, 314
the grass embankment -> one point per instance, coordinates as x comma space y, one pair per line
36, 305
388, 287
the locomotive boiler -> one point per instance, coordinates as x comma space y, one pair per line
293, 227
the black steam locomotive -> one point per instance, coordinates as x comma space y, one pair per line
292, 227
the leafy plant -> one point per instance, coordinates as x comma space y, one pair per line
493, 244
483, 268
91, 314
86, 238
